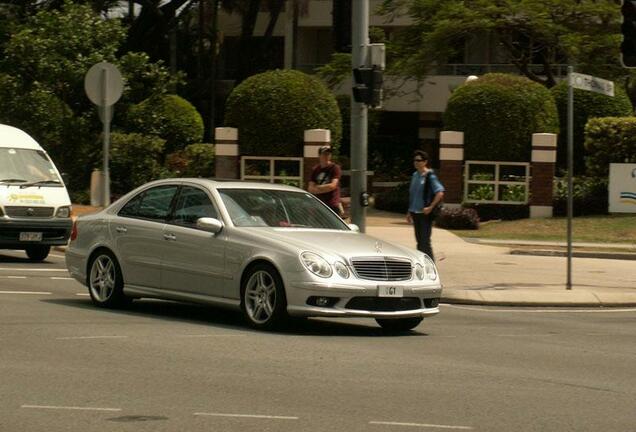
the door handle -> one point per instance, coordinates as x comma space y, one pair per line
121, 229
169, 236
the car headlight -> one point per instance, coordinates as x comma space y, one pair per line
429, 268
419, 271
63, 212
342, 270
316, 264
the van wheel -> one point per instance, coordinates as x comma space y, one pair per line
38, 253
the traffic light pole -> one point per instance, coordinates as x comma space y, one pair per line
359, 42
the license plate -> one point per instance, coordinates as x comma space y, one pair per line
390, 291
31, 236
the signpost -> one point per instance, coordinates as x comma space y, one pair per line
588, 83
104, 85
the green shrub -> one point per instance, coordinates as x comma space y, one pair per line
488, 212
498, 114
196, 160
609, 140
134, 160
170, 117
587, 105
394, 200
457, 218
590, 196
273, 109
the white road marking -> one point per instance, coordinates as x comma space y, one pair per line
421, 425
90, 337
520, 310
27, 292
523, 335
256, 416
208, 335
83, 294
13, 277
71, 408
61, 278
32, 269
57, 256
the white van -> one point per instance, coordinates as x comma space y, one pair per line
35, 209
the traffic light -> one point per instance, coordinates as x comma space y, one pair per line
368, 85
628, 29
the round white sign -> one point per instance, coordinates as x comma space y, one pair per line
103, 84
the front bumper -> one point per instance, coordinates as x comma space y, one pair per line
419, 299
55, 232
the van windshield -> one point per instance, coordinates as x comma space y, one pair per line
27, 166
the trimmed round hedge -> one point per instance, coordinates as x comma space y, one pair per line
587, 105
609, 140
273, 109
498, 114
170, 117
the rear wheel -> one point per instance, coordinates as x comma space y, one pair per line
38, 253
399, 324
263, 297
105, 281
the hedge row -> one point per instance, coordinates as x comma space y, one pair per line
609, 140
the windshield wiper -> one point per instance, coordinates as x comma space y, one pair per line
39, 183
12, 180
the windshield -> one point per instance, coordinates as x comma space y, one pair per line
276, 208
26, 166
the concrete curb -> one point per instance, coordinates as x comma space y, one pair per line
543, 298
575, 254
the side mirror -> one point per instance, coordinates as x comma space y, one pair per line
354, 227
210, 224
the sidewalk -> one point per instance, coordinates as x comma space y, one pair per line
477, 273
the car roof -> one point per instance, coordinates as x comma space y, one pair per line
13, 137
215, 183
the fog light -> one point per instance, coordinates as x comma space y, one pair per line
322, 301
431, 303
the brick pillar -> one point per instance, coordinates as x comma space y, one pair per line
451, 161
226, 154
314, 139
544, 146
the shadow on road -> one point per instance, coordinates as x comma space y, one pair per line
222, 318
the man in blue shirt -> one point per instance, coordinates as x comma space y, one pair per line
425, 194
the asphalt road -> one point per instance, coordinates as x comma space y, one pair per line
163, 366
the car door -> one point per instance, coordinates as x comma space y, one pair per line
193, 259
138, 235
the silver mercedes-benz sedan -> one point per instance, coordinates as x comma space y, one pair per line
271, 251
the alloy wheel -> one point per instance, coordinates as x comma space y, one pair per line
260, 297
102, 278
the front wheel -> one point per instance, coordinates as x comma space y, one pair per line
38, 253
263, 299
105, 281
399, 324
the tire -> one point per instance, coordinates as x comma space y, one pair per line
38, 253
105, 281
263, 299
399, 324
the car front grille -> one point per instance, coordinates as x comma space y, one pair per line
384, 304
383, 268
26, 211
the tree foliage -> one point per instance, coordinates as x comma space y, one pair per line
273, 109
609, 140
544, 32
498, 114
587, 105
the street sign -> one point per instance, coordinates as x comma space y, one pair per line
590, 83
103, 84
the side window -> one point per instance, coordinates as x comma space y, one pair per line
131, 207
192, 204
155, 204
